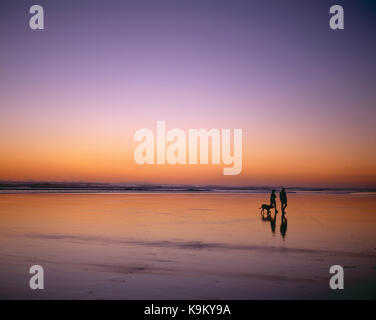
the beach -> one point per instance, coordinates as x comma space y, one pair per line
186, 246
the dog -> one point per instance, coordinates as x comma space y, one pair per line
266, 207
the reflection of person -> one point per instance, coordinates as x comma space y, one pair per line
283, 228
272, 219
273, 202
272, 222
283, 198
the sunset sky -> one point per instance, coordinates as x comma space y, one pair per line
73, 95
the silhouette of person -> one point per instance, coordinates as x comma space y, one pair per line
283, 198
272, 201
283, 228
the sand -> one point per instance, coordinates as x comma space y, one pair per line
186, 246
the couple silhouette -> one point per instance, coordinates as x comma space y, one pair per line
282, 198
273, 204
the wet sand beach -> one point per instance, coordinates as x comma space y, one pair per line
186, 246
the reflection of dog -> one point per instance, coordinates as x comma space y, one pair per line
266, 207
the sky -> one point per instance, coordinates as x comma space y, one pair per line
73, 95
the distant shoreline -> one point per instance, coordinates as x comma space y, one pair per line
83, 187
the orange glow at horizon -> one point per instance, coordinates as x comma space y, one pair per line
110, 159
73, 95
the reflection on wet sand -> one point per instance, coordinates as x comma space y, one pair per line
272, 219
184, 246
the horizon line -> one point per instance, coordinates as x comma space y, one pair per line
60, 184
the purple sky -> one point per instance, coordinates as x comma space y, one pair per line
273, 68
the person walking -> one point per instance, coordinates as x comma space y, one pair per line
273, 201
283, 199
